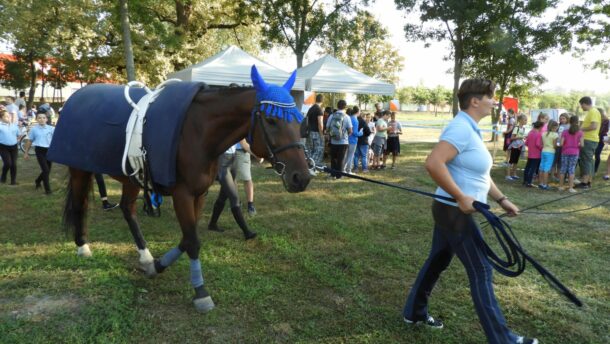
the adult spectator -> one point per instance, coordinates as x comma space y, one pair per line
315, 140
460, 164
590, 127
8, 147
603, 132
40, 137
339, 127
22, 118
242, 165
362, 147
228, 189
352, 140
393, 144
46, 108
510, 125
21, 100
12, 109
101, 187
380, 140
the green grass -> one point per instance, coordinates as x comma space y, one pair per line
331, 265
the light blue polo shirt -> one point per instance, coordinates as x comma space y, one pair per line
41, 136
471, 166
8, 134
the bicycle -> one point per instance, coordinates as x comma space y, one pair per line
23, 135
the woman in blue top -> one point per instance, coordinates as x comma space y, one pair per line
8, 147
460, 164
40, 136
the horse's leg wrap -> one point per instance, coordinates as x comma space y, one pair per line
239, 218
202, 300
168, 259
84, 251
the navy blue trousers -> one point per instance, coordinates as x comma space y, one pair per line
454, 234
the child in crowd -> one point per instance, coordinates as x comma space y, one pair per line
549, 142
544, 118
515, 147
564, 118
371, 123
534, 150
8, 146
571, 141
508, 133
393, 145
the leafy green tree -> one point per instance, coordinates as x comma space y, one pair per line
439, 96
512, 45
590, 24
421, 95
361, 42
298, 23
453, 20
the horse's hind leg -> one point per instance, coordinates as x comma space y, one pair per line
128, 206
75, 208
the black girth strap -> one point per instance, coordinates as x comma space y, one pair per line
515, 255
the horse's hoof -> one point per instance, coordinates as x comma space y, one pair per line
204, 304
149, 268
84, 251
250, 235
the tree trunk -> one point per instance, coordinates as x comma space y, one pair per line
131, 70
32, 81
458, 47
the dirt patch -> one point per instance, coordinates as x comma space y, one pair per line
39, 308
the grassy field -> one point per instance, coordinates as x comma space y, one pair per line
331, 265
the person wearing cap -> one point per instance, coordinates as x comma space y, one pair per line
460, 164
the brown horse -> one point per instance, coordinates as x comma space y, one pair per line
215, 120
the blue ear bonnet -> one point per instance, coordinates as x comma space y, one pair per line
275, 101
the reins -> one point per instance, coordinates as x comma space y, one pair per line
514, 264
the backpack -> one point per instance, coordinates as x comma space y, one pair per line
335, 128
304, 129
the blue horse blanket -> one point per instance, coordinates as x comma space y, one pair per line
90, 134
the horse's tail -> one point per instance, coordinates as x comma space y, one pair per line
78, 187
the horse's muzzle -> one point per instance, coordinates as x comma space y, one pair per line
296, 181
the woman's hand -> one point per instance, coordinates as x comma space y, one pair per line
509, 207
465, 204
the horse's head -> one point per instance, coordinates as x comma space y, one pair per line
274, 132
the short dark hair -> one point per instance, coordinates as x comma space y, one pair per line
319, 98
328, 110
538, 124
586, 101
471, 88
341, 104
22, 94
355, 109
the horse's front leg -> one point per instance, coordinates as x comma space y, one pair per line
188, 208
128, 207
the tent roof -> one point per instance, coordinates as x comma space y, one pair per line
328, 74
231, 65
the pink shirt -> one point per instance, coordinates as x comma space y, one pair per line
534, 144
570, 143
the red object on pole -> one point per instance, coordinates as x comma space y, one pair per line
511, 103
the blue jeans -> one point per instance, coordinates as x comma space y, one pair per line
361, 153
455, 233
530, 169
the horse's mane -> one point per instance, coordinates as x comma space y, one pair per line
226, 90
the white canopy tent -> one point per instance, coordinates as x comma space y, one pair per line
328, 74
231, 65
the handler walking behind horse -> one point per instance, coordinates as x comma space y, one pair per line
460, 165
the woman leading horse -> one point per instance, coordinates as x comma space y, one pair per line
214, 121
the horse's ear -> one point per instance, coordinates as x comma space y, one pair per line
257, 80
290, 82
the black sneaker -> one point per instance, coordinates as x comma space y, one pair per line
108, 206
430, 322
581, 185
524, 340
251, 211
